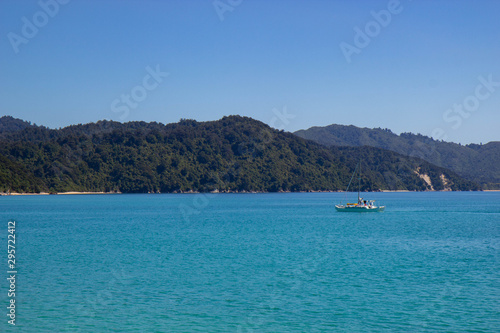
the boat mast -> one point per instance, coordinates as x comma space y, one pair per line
359, 179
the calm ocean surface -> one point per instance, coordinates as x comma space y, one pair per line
253, 263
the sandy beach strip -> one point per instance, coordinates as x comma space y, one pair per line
59, 193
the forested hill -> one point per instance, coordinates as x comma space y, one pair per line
232, 154
10, 124
478, 163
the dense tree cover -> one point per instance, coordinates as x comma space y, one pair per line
478, 163
232, 154
14, 177
10, 124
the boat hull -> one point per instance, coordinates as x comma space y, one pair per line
361, 209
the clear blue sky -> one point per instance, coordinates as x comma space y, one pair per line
251, 57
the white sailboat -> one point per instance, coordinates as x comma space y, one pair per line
362, 205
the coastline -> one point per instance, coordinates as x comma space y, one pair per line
225, 192
58, 193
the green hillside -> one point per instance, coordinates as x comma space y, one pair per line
232, 154
14, 177
478, 163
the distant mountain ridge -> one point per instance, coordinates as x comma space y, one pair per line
233, 154
478, 163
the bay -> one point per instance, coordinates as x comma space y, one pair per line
274, 262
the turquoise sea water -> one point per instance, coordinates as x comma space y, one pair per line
253, 263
